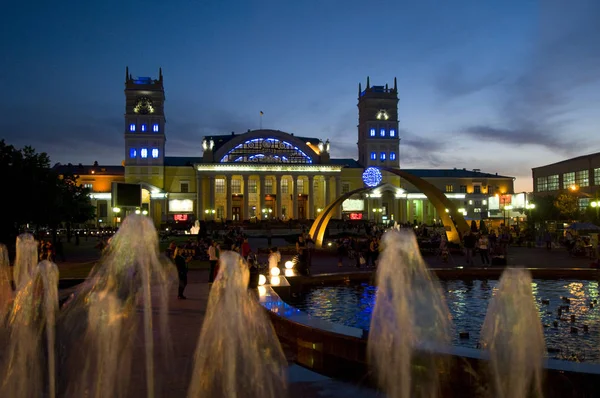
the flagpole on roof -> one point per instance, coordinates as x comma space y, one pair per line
260, 120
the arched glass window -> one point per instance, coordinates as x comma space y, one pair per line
266, 150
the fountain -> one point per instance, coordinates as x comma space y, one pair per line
26, 259
102, 316
33, 313
6, 292
410, 313
195, 230
238, 354
512, 334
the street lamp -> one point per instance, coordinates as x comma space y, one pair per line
596, 205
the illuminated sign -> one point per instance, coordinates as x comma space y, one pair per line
181, 206
372, 177
180, 217
353, 205
356, 216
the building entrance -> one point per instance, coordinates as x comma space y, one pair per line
236, 213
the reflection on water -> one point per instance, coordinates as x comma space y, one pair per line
352, 305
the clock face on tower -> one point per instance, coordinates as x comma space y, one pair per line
143, 106
382, 115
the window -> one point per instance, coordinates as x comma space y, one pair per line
102, 210
477, 210
541, 184
220, 209
449, 188
490, 190
596, 176
284, 186
219, 185
477, 189
284, 211
382, 156
382, 132
568, 180
89, 186
392, 132
236, 186
144, 153
155, 128
252, 187
132, 153
300, 186
470, 202
268, 186
154, 153
372, 132
184, 187
144, 127
582, 178
584, 203
132, 127
478, 203
345, 187
553, 184
392, 155
373, 155
463, 189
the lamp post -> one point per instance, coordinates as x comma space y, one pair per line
509, 207
596, 205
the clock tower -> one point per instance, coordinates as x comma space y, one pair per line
144, 129
378, 140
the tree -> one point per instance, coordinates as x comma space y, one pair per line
37, 195
567, 205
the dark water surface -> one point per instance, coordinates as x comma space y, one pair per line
467, 301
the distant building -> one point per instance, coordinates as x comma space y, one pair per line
266, 174
580, 174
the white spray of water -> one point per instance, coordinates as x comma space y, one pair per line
195, 230
238, 354
410, 313
6, 292
25, 260
34, 311
512, 334
104, 315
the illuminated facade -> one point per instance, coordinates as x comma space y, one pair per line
271, 174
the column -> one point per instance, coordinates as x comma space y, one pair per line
311, 197
246, 197
338, 193
279, 195
261, 191
227, 214
295, 197
211, 202
199, 202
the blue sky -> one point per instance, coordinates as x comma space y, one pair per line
501, 86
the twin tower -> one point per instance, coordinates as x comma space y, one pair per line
378, 138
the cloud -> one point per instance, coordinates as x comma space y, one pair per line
537, 103
453, 81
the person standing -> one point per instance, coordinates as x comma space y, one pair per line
213, 258
469, 243
182, 270
245, 248
483, 249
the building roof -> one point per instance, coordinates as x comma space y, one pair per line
350, 163
81, 169
182, 160
591, 155
221, 140
452, 173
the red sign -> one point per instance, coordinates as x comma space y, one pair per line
180, 217
356, 216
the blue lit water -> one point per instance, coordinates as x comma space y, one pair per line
352, 305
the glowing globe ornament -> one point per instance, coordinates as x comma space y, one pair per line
372, 177
289, 264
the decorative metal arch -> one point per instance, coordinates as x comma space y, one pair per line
267, 147
435, 196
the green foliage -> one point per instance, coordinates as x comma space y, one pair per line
36, 194
567, 205
544, 210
